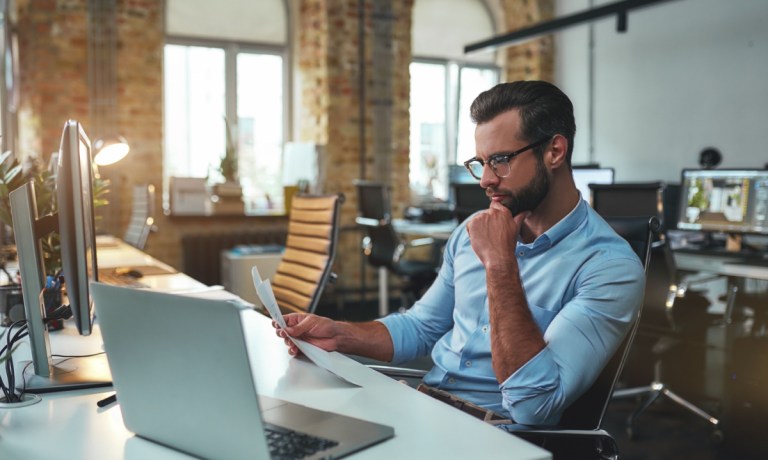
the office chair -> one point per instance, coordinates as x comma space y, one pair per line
310, 249
663, 327
468, 199
384, 249
579, 433
668, 323
142, 216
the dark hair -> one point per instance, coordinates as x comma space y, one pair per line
544, 110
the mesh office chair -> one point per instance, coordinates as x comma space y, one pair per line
671, 316
310, 249
580, 433
384, 249
142, 216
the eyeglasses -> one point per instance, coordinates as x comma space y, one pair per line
499, 162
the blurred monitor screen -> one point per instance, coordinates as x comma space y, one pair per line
585, 176
732, 201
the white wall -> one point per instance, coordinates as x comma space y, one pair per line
688, 74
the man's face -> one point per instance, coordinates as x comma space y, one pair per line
527, 184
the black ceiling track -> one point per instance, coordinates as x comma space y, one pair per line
619, 9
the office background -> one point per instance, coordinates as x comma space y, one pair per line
687, 74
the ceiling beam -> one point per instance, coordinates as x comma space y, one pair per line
619, 9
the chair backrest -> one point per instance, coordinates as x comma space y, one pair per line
373, 200
469, 198
647, 199
586, 413
142, 216
629, 199
382, 244
310, 249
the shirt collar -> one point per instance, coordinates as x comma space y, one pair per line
563, 228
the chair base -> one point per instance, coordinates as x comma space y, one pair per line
653, 392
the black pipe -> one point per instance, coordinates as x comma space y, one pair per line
543, 28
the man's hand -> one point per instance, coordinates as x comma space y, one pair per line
317, 330
493, 234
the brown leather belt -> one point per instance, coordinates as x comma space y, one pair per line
472, 409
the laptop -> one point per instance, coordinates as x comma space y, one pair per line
182, 374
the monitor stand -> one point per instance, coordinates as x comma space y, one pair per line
65, 374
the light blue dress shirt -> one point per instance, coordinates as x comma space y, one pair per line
583, 283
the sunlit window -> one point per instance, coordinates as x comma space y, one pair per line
442, 133
202, 97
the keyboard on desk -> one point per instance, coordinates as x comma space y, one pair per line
108, 276
288, 444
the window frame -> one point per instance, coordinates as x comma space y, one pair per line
231, 50
453, 91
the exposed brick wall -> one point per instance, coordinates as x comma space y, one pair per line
53, 59
329, 59
533, 60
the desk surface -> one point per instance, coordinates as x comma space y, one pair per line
69, 424
724, 263
439, 230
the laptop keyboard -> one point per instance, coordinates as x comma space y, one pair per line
286, 444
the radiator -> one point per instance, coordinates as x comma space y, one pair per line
201, 253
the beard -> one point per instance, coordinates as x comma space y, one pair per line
530, 196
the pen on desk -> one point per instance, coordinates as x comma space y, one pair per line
107, 401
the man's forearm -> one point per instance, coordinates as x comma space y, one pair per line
515, 337
370, 339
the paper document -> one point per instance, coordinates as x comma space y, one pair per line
315, 354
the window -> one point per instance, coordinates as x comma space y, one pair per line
444, 82
442, 133
197, 92
226, 65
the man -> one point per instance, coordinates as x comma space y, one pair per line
534, 294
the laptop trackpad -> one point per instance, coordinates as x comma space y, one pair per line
293, 416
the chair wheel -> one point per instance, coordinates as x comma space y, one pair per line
630, 433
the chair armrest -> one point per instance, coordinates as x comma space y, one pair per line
368, 222
421, 242
398, 372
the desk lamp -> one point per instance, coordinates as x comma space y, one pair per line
110, 149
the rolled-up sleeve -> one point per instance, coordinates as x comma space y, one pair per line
579, 341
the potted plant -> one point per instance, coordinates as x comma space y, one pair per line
227, 197
228, 164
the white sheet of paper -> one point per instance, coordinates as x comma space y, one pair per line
315, 354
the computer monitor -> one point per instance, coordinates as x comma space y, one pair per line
74, 191
732, 201
76, 230
583, 176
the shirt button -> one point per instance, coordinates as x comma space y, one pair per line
521, 253
468, 363
451, 380
485, 329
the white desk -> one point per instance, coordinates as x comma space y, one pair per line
70, 426
437, 230
118, 254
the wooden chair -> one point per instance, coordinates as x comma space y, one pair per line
310, 249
